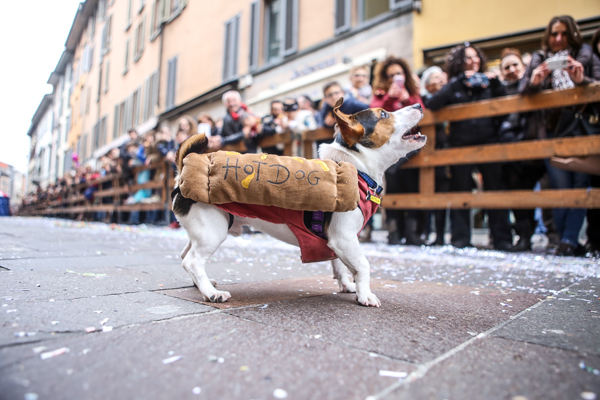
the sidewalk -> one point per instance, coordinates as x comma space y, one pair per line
90, 312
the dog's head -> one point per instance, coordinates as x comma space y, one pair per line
390, 132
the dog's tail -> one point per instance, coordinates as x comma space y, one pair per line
194, 144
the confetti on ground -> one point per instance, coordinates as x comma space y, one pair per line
90, 329
588, 395
393, 374
54, 353
171, 359
280, 394
196, 390
107, 328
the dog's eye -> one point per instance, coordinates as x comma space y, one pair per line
384, 114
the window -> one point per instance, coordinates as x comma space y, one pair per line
102, 132
106, 73
126, 57
107, 35
281, 27
171, 82
88, 100
99, 84
101, 10
91, 26
150, 96
136, 107
396, 4
342, 16
254, 33
140, 39
232, 28
368, 9
116, 130
142, 4
129, 14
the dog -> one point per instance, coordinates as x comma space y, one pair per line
372, 140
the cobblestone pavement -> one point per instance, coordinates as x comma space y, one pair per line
91, 311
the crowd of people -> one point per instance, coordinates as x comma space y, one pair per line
563, 62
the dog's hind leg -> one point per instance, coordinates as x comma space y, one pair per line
342, 274
343, 240
207, 228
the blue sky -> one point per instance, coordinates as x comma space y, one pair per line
32, 38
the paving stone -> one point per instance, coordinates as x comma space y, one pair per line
256, 360
501, 369
570, 320
417, 322
36, 320
245, 294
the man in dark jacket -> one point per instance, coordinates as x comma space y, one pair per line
332, 91
234, 131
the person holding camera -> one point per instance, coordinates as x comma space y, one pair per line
563, 63
469, 81
395, 88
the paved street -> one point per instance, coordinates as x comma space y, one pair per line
90, 311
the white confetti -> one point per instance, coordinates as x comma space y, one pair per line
280, 394
393, 374
171, 359
107, 328
196, 390
54, 353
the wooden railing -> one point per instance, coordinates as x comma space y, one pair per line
163, 181
430, 157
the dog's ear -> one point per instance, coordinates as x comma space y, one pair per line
351, 130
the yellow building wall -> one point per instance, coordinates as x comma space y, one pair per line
443, 22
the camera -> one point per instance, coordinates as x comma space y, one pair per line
478, 79
288, 107
399, 81
557, 63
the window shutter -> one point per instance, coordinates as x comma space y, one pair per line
156, 78
236, 36
147, 99
116, 132
342, 16
254, 33
290, 27
226, 48
396, 4
171, 81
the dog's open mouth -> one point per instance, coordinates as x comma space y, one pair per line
413, 134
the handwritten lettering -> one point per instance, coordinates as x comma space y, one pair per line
280, 167
235, 167
316, 179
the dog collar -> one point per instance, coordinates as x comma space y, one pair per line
370, 182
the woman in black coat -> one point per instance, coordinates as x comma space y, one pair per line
469, 82
562, 39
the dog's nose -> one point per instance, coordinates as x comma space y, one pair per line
418, 107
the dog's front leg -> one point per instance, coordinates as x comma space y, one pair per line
342, 274
343, 240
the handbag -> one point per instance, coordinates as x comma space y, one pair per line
578, 122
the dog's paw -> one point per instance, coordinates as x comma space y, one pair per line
369, 300
219, 297
213, 282
348, 287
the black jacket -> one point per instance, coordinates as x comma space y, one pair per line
472, 131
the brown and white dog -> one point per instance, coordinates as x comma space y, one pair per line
372, 140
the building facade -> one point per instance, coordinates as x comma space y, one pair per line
138, 63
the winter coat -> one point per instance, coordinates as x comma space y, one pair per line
472, 131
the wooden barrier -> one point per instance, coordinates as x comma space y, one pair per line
429, 157
72, 202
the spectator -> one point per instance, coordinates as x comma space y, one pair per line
207, 125
187, 124
469, 82
593, 214
133, 138
298, 120
166, 145
234, 131
332, 92
562, 38
433, 80
274, 123
395, 88
305, 103
521, 175
359, 85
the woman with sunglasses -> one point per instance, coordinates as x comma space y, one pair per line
563, 63
395, 88
468, 82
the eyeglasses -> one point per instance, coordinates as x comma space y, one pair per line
390, 76
333, 94
360, 75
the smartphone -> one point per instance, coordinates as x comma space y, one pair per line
399, 81
557, 63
